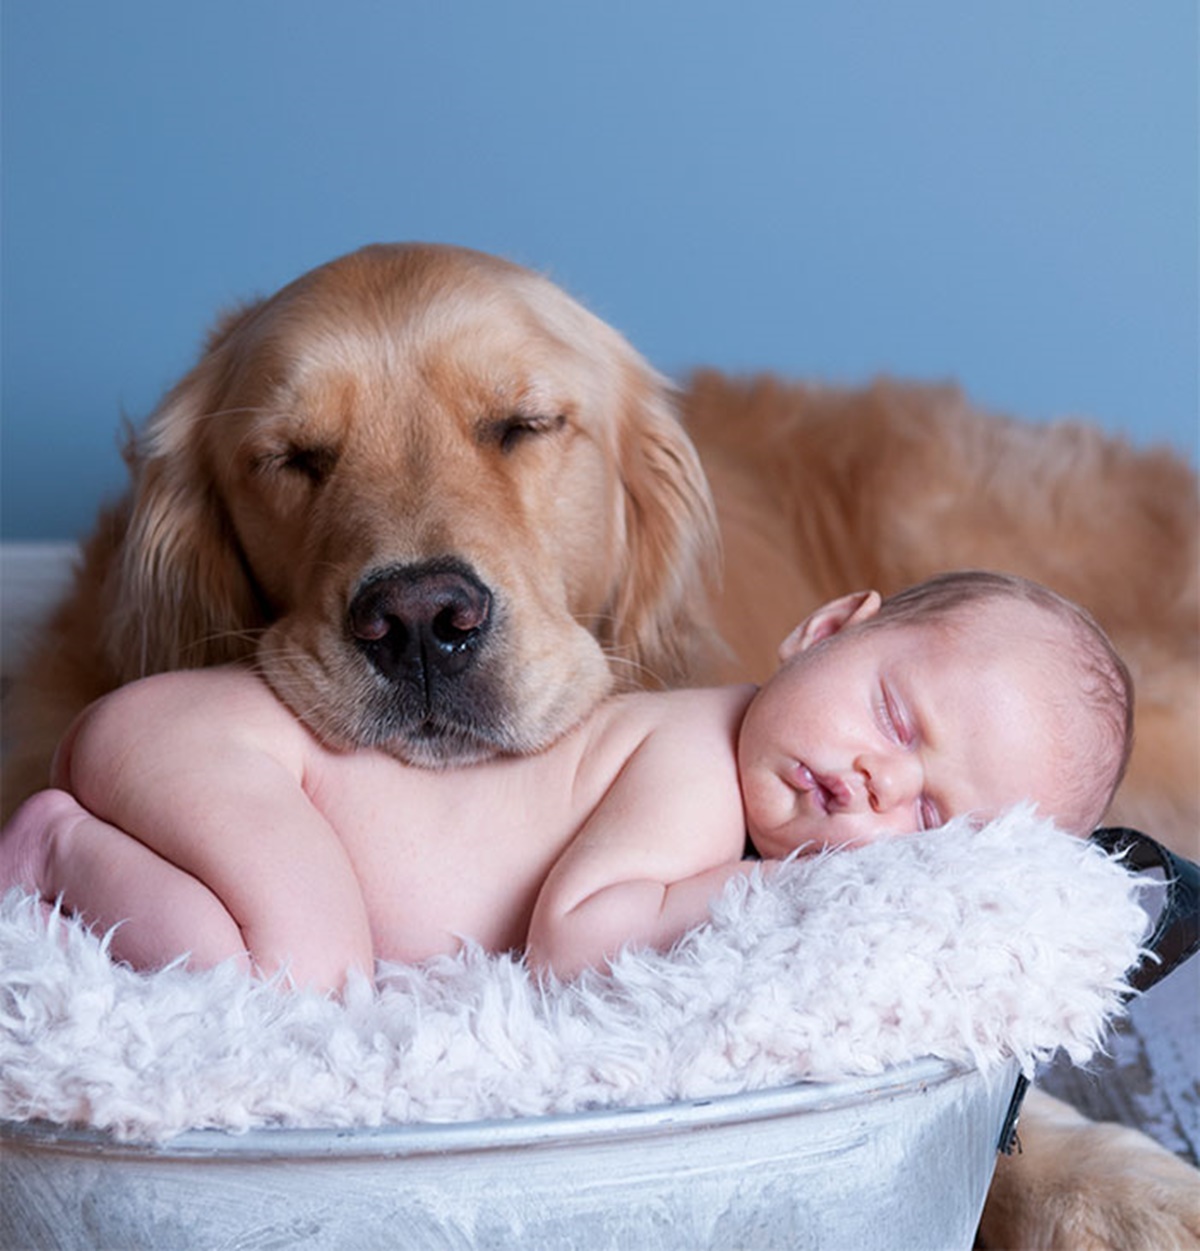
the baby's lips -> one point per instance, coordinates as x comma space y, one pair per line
808, 782
830, 793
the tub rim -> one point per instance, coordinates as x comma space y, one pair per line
434, 1138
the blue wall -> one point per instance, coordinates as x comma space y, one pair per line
1005, 193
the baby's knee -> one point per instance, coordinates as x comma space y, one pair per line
30, 840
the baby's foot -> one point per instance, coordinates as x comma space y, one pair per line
28, 838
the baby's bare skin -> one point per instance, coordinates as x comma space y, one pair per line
299, 842
440, 860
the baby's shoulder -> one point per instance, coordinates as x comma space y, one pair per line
704, 713
704, 721
218, 684
196, 715
228, 697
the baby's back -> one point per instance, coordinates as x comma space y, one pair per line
450, 854
462, 853
439, 855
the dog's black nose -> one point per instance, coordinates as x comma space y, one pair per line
418, 621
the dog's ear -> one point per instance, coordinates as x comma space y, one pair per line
178, 593
670, 562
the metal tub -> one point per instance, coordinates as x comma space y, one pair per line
899, 1161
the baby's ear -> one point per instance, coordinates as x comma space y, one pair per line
828, 620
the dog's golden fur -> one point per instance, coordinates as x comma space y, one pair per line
418, 416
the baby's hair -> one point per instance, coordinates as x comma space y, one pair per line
1100, 677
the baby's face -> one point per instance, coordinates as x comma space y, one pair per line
877, 732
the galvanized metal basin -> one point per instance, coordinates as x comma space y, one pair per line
900, 1161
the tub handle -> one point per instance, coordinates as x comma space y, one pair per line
1176, 933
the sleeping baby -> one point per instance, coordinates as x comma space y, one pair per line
198, 813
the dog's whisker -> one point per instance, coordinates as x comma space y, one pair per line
316, 712
243, 410
641, 674
248, 634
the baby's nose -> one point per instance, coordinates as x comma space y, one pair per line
891, 780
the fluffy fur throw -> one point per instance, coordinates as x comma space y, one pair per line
976, 946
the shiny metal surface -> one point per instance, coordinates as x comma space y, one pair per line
899, 1161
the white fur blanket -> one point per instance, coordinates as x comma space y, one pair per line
975, 946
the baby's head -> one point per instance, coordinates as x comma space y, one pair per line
966, 693
1084, 685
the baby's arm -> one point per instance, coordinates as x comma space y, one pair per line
205, 769
649, 861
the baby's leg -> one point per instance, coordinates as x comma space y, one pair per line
55, 847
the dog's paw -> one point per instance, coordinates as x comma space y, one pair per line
1082, 1186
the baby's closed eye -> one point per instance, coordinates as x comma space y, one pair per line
894, 717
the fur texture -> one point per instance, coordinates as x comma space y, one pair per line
1139, 1196
974, 946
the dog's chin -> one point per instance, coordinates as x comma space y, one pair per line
432, 742
467, 731
477, 721
443, 743
433, 739
432, 746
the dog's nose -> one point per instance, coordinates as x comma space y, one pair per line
419, 620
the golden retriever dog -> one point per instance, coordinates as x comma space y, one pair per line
441, 507
444, 510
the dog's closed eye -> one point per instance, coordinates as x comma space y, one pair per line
314, 463
508, 433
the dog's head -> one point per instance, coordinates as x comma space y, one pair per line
442, 506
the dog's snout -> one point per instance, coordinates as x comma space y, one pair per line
419, 620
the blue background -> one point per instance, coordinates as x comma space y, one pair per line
1005, 194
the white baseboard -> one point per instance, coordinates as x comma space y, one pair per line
32, 577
